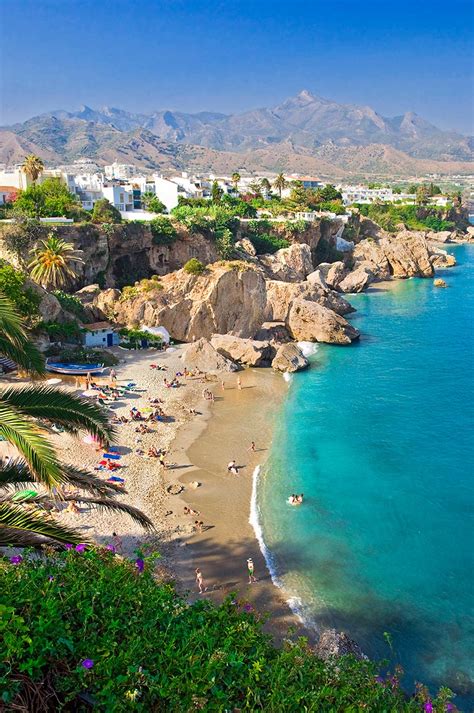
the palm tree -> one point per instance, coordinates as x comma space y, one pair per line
280, 183
32, 166
24, 417
235, 180
51, 265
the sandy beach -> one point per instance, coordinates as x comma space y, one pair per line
199, 447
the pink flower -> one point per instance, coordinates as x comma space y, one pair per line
81, 547
87, 663
110, 547
68, 546
17, 559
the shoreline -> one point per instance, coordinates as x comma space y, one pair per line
225, 500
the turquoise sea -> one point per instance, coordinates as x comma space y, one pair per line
379, 438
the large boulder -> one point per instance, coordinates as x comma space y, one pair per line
440, 258
333, 273
443, 236
333, 644
356, 281
281, 295
243, 351
274, 332
202, 355
404, 255
291, 264
289, 358
49, 307
311, 322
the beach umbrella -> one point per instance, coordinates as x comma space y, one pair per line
53, 381
90, 392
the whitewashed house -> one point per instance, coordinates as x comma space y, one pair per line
100, 334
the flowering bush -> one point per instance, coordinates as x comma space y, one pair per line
84, 626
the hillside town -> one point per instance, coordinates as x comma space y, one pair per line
140, 196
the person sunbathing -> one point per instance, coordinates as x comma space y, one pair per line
153, 453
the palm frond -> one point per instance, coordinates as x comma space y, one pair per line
26, 437
116, 506
17, 475
70, 411
14, 342
17, 518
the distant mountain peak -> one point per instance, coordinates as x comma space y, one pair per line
305, 95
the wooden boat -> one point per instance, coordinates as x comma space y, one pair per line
74, 369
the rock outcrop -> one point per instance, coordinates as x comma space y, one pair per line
405, 255
333, 644
289, 358
244, 351
291, 264
280, 296
311, 322
356, 281
201, 355
273, 332
49, 307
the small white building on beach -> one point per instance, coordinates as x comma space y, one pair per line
100, 334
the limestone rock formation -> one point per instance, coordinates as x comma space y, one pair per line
280, 296
334, 644
289, 358
49, 307
310, 321
291, 264
202, 355
244, 351
404, 255
333, 273
356, 281
440, 258
274, 332
439, 282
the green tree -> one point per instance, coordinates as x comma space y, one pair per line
32, 167
49, 199
280, 183
53, 260
216, 192
23, 520
12, 285
163, 231
266, 185
329, 193
224, 243
235, 180
298, 199
194, 267
422, 194
152, 203
105, 212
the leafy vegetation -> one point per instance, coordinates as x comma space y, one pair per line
152, 203
71, 304
129, 292
49, 199
105, 212
85, 625
163, 231
63, 331
388, 216
24, 299
20, 237
194, 267
265, 243
135, 337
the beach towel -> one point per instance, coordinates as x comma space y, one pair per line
112, 456
115, 479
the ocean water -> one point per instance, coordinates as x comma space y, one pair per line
379, 438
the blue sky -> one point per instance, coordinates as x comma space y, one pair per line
231, 56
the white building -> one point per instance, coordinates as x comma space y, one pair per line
100, 334
120, 196
16, 178
122, 171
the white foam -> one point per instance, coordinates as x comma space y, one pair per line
308, 348
288, 377
295, 603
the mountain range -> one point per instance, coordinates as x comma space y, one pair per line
305, 133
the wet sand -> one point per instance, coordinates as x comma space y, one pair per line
238, 417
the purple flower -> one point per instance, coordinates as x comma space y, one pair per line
110, 547
449, 707
428, 707
87, 663
81, 547
140, 565
50, 578
380, 680
248, 607
68, 546
17, 559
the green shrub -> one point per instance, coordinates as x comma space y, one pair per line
82, 355
265, 243
61, 331
86, 625
105, 212
70, 303
163, 231
194, 267
224, 243
12, 284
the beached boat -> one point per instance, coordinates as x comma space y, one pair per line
74, 369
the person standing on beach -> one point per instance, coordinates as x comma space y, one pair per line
113, 376
250, 570
252, 447
239, 383
232, 467
200, 581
